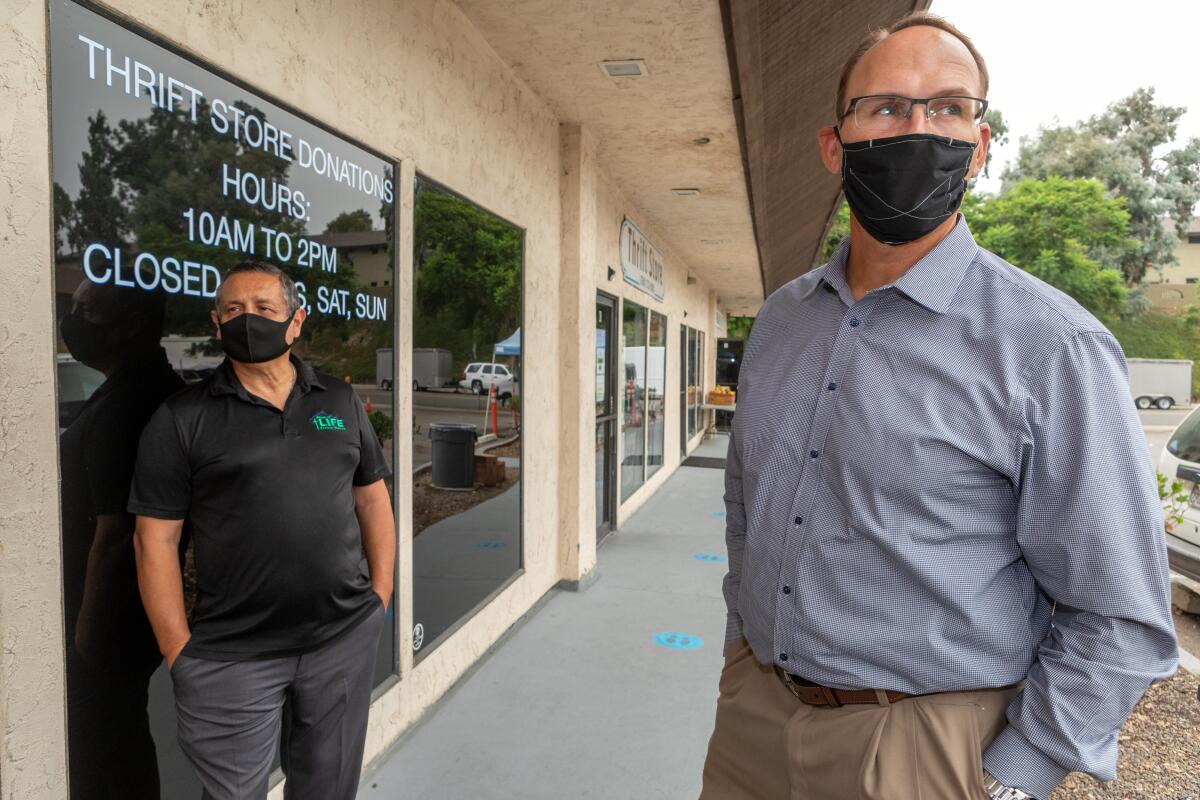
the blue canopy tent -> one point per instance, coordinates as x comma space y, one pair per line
510, 346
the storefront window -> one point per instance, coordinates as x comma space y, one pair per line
156, 193
695, 357
634, 330
467, 353
656, 387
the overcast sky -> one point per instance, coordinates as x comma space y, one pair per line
1068, 59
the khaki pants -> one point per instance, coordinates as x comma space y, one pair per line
769, 745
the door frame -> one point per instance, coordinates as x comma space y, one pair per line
609, 419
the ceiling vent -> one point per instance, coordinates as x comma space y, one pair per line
630, 68
685, 192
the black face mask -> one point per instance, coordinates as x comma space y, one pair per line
252, 339
902, 187
87, 341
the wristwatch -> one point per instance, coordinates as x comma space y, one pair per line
998, 791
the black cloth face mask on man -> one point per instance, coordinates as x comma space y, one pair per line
902, 187
253, 339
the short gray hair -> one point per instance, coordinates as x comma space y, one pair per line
291, 296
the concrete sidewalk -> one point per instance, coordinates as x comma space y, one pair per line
579, 700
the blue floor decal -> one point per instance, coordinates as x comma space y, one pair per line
718, 513
674, 640
712, 558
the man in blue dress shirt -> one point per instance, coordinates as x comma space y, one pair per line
947, 570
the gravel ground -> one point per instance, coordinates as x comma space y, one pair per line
1160, 749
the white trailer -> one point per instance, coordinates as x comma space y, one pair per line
431, 368
1160, 382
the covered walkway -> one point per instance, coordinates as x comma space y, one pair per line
524, 722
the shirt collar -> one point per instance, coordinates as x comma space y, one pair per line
224, 380
933, 281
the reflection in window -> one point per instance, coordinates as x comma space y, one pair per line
140, 184
695, 357
656, 388
467, 415
634, 330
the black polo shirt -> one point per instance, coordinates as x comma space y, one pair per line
268, 497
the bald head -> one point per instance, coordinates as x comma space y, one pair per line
921, 47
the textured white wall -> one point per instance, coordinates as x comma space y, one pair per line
414, 80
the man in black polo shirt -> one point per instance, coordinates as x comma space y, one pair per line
279, 475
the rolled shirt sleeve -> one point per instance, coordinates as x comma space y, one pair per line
372, 462
1090, 528
162, 477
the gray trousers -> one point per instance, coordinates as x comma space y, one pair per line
231, 715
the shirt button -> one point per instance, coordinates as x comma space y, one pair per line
854, 323
799, 520
832, 386
787, 590
812, 453
783, 656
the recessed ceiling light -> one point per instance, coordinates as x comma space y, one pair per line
629, 68
701, 140
711, 241
685, 191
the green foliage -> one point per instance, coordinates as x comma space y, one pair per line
1174, 500
468, 276
382, 424
738, 327
995, 121
1069, 233
839, 229
351, 222
1123, 148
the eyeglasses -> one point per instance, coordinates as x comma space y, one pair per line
889, 113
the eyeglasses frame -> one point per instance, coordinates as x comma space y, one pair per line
915, 101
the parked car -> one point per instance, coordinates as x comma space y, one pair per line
1180, 460
76, 383
480, 376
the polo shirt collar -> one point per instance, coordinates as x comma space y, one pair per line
225, 380
933, 281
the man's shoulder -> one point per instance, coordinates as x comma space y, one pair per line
792, 292
1029, 300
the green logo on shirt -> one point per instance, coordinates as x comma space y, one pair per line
327, 422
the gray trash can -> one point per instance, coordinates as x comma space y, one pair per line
453, 455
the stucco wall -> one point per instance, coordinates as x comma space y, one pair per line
1188, 266
32, 749
414, 80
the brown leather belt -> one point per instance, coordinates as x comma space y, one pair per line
817, 695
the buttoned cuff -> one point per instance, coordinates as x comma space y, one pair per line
733, 628
1013, 761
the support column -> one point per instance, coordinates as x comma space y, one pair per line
576, 486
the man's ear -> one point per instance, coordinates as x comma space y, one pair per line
831, 149
297, 323
216, 321
979, 158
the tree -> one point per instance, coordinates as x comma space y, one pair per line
1068, 232
351, 222
995, 121
468, 274
1123, 148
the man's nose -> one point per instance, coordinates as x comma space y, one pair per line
918, 120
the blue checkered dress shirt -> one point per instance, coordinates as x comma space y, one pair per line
945, 486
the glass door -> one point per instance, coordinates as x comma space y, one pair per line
606, 416
684, 420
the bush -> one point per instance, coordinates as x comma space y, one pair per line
382, 424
